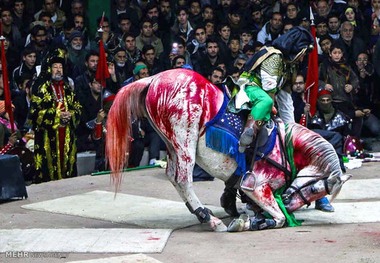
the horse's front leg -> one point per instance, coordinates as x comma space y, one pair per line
262, 195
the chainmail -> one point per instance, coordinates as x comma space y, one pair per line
273, 65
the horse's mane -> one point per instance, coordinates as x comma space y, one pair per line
315, 148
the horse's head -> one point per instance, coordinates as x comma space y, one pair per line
310, 186
335, 182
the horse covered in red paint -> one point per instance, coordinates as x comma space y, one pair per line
188, 112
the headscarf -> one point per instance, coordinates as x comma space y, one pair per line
326, 109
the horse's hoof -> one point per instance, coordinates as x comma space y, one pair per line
220, 227
239, 224
217, 225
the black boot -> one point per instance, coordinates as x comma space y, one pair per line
228, 198
228, 201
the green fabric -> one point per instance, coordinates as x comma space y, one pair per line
262, 103
290, 218
94, 10
253, 79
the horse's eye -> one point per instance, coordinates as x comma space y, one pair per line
286, 200
313, 189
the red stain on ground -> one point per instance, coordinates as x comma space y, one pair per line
372, 234
153, 238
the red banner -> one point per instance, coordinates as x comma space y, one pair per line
312, 76
102, 72
7, 91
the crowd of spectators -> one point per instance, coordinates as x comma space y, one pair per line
213, 38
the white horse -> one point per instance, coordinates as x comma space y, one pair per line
179, 103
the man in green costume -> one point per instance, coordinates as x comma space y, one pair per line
267, 77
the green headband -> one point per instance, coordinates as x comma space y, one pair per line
137, 69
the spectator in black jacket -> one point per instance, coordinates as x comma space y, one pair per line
212, 58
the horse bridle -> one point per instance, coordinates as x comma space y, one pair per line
288, 173
298, 190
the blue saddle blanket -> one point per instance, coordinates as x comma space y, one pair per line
223, 133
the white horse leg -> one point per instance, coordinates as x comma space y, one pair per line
203, 214
186, 191
220, 166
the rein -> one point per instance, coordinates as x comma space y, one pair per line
284, 159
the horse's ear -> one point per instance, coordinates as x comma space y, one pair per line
345, 177
333, 177
340, 180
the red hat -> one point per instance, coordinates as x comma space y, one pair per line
323, 93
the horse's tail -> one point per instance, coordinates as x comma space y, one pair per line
127, 106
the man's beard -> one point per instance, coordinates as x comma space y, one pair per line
57, 77
212, 56
41, 43
120, 64
76, 47
96, 92
326, 108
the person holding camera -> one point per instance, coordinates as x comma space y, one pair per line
364, 98
178, 48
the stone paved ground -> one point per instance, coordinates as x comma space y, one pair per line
338, 243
